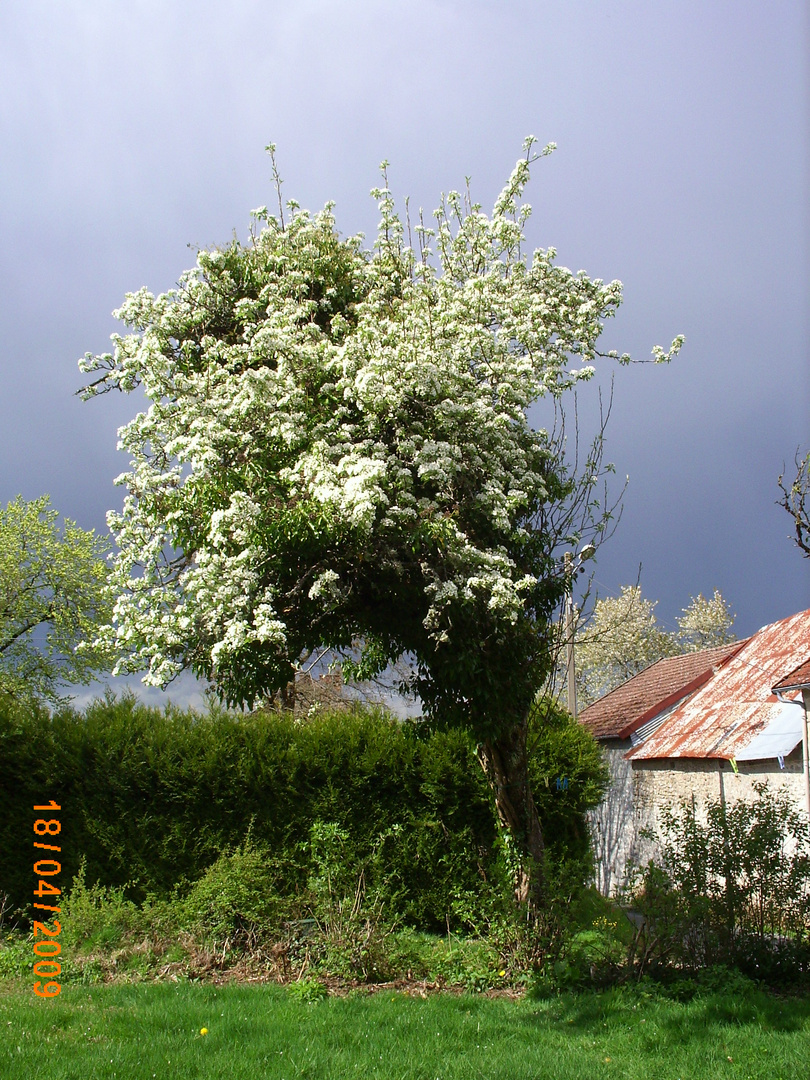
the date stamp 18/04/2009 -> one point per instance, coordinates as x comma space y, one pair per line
48, 948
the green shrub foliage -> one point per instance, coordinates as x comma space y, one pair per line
235, 897
155, 801
731, 886
568, 776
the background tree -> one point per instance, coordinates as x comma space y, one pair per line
704, 624
337, 450
52, 602
624, 636
796, 500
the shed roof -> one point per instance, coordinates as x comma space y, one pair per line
656, 688
797, 678
737, 704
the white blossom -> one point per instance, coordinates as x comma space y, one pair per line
314, 404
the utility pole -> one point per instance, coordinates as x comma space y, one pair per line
569, 635
806, 745
587, 552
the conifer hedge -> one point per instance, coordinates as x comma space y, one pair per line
149, 798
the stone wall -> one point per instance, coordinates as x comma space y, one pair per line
613, 827
658, 784
642, 789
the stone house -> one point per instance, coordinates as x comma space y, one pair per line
704, 725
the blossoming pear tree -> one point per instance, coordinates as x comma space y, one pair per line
337, 449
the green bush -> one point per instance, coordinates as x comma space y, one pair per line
16, 957
101, 917
235, 902
568, 776
731, 886
308, 989
97, 916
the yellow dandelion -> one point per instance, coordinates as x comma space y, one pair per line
203, 1031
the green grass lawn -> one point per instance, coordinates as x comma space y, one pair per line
153, 1030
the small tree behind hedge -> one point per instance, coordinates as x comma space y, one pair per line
568, 776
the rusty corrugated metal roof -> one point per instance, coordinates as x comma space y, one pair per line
737, 703
800, 676
662, 684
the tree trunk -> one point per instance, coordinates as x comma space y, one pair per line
505, 763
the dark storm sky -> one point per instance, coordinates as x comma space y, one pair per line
131, 131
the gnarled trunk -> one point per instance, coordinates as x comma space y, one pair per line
505, 763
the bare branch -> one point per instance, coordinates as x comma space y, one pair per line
796, 500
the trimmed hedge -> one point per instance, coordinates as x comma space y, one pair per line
151, 798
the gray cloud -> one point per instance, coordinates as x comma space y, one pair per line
130, 132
